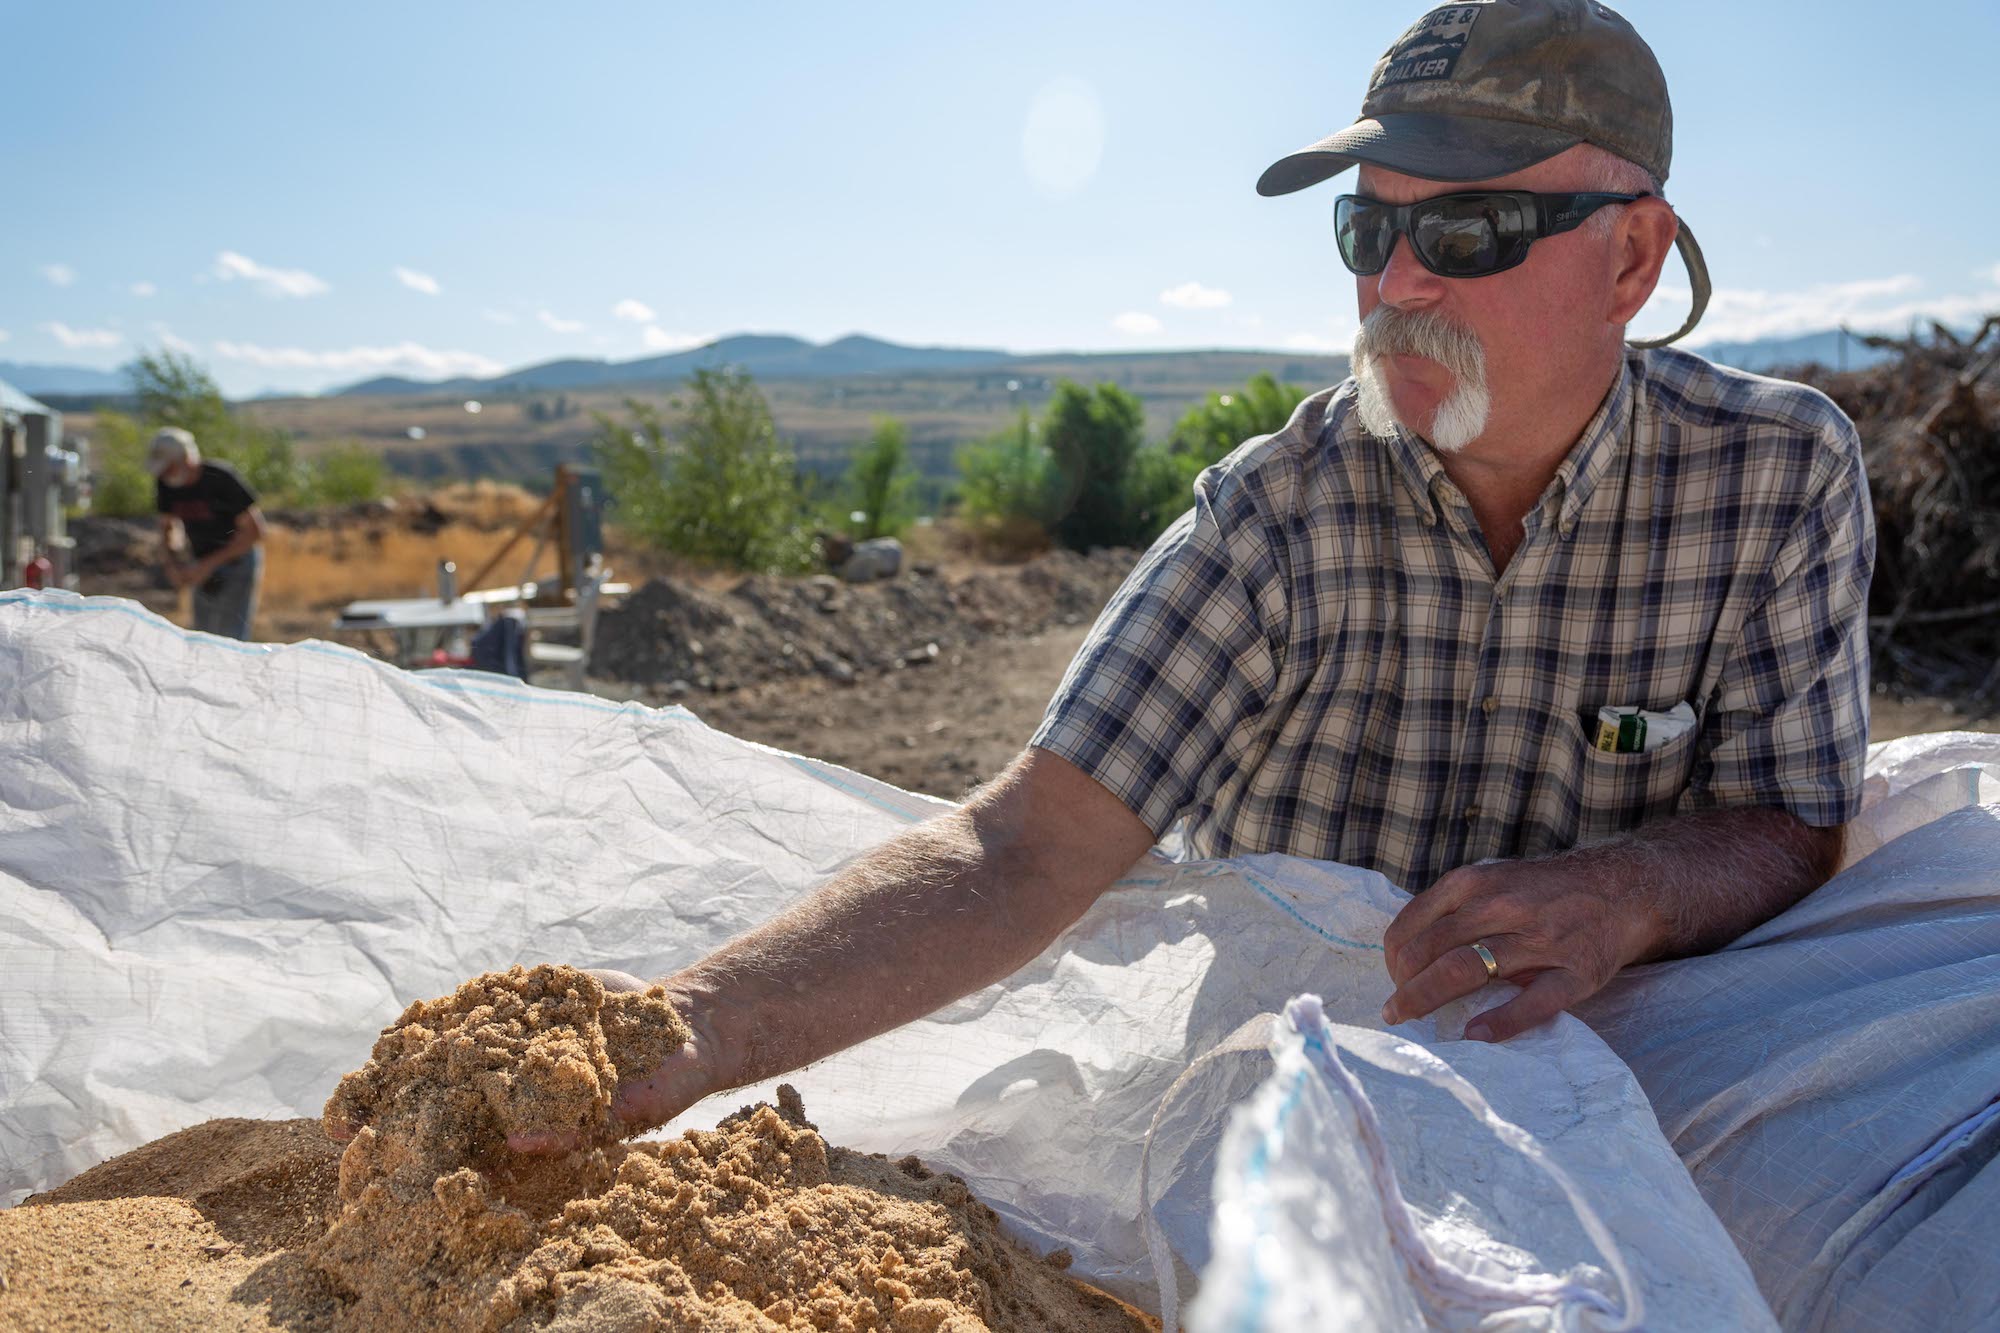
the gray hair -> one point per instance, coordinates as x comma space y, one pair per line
1604, 170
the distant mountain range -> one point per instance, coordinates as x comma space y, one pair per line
39, 381
764, 355
780, 356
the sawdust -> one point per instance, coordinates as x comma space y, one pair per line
756, 1225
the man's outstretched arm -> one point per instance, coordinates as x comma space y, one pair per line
941, 910
1562, 925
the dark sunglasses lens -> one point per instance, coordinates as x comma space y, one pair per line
1469, 236
1457, 238
1363, 229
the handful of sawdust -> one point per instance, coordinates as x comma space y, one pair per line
755, 1225
529, 1051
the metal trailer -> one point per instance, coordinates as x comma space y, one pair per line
40, 480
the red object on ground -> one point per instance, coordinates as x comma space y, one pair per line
39, 571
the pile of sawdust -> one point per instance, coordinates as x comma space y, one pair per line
756, 1225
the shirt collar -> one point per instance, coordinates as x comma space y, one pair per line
1581, 469
1607, 434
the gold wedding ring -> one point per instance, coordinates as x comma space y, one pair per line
1486, 957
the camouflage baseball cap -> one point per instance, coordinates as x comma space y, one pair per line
1491, 87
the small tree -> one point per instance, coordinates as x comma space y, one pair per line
1212, 430
343, 475
879, 480
1004, 477
721, 486
172, 389
1092, 436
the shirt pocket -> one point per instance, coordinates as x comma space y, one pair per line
1618, 792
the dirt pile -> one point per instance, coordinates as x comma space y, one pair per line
673, 635
756, 1225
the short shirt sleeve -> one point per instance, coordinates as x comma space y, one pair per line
1160, 704
1788, 724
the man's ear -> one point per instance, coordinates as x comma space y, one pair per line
1639, 248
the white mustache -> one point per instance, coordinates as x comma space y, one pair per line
1388, 331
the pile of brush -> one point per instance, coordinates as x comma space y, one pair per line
1930, 431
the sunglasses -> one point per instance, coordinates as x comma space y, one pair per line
1467, 235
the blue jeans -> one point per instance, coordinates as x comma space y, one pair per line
226, 601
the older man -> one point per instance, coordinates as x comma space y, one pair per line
1386, 634
210, 530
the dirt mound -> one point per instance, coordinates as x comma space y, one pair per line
765, 628
756, 1225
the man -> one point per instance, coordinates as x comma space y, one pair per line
207, 513
1384, 634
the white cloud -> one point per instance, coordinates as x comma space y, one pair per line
658, 339
499, 316
81, 338
417, 282
1318, 343
230, 266
557, 324
1991, 275
406, 358
144, 289
59, 275
1135, 321
1739, 314
1194, 296
637, 312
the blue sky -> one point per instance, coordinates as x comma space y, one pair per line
308, 195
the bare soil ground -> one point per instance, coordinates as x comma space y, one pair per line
845, 674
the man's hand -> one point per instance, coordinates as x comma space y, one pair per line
685, 1078
1554, 927
638, 1105
1561, 926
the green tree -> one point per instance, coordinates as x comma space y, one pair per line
1211, 430
120, 486
344, 474
1092, 436
1004, 477
173, 389
879, 480
719, 485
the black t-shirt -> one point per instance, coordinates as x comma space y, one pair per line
208, 509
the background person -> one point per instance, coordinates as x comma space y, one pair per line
210, 533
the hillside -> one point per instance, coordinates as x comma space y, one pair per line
520, 435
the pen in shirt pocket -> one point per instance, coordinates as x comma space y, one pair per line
1622, 730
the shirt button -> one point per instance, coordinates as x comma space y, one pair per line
1472, 812
1489, 703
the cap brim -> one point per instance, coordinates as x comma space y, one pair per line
1417, 143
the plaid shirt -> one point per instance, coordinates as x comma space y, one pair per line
1317, 658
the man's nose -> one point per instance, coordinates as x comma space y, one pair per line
1404, 282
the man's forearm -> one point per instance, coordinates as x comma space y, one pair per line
944, 909
240, 543
1704, 879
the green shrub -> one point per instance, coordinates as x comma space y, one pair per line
1212, 430
343, 475
878, 484
1004, 478
120, 486
719, 485
1092, 436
